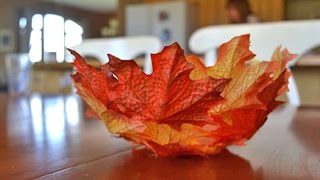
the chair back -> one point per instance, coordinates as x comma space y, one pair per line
298, 36
121, 47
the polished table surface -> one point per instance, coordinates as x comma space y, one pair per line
48, 137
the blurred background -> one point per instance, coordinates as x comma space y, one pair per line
43, 29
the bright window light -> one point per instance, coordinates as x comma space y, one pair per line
57, 35
37, 22
73, 33
54, 36
22, 22
35, 52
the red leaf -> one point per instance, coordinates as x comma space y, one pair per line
250, 95
172, 114
163, 109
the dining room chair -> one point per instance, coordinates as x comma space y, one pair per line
122, 47
298, 36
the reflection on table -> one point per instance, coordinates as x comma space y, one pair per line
50, 138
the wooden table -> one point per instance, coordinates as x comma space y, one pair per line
49, 138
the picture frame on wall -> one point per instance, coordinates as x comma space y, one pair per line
6, 41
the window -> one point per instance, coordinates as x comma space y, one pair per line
50, 35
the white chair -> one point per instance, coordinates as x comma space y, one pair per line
121, 47
298, 36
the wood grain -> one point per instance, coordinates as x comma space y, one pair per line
48, 138
41, 135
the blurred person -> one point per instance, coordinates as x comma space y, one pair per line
239, 11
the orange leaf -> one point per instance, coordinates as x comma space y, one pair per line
164, 111
184, 107
251, 93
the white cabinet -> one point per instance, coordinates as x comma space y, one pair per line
170, 21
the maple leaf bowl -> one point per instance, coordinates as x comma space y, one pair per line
184, 107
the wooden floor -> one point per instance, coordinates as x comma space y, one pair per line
49, 138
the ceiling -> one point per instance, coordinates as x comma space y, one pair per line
96, 5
